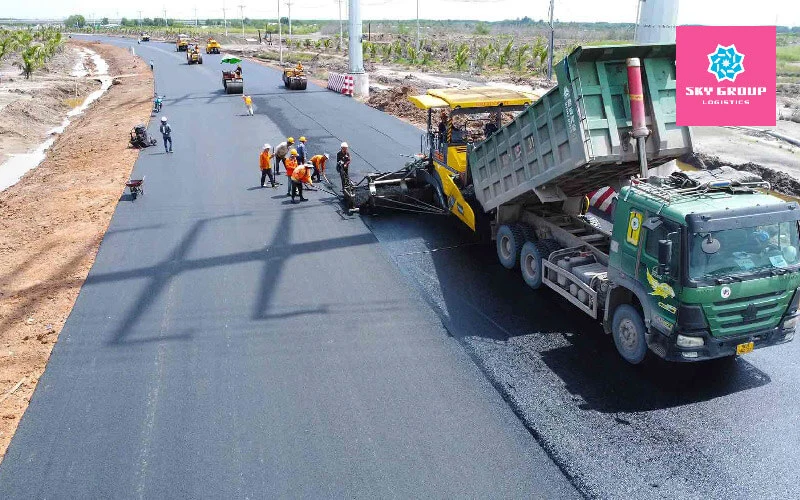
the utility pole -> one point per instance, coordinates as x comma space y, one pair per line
241, 12
225, 19
165, 17
280, 33
195, 17
552, 43
341, 27
355, 54
140, 18
289, 4
417, 26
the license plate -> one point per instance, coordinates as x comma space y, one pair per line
744, 348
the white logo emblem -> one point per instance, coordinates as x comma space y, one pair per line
725, 292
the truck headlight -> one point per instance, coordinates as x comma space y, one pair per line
686, 341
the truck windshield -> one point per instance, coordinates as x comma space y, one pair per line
743, 251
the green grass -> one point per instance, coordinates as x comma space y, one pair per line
789, 54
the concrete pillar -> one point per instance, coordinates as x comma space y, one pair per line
355, 52
656, 21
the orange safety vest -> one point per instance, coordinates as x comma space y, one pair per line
248, 101
319, 162
264, 159
290, 163
301, 174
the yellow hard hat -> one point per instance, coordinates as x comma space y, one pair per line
290, 140
293, 152
303, 139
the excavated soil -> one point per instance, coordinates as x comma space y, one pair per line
52, 224
29, 108
781, 182
395, 102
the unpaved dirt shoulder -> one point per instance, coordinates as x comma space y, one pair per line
52, 224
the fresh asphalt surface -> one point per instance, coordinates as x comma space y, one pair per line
187, 368
230, 344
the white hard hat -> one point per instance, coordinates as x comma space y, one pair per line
327, 156
344, 145
163, 118
267, 146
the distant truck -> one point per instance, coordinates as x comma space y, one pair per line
694, 266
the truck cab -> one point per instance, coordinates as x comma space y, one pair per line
713, 271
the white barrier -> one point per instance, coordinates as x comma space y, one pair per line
342, 83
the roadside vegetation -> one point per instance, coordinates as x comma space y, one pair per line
30, 49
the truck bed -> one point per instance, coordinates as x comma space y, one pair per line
576, 137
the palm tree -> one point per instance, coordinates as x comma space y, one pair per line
32, 58
8, 44
505, 55
521, 57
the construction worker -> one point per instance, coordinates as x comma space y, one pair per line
299, 66
266, 168
280, 153
290, 163
343, 160
319, 165
166, 134
248, 101
301, 149
300, 175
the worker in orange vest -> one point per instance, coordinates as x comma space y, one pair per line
290, 163
319, 165
300, 175
266, 168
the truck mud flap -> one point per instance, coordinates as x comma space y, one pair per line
456, 203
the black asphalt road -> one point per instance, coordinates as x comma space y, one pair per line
229, 344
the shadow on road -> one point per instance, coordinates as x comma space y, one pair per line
273, 256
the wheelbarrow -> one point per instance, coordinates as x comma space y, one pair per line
136, 187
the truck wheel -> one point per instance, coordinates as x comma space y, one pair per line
509, 243
530, 263
629, 334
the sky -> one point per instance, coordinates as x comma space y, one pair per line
709, 12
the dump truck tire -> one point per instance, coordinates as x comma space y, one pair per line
628, 331
530, 263
509, 244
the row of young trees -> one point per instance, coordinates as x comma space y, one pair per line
462, 56
32, 49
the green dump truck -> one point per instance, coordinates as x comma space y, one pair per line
694, 266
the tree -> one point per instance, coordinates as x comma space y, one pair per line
104, 21
284, 20
75, 21
461, 57
521, 57
505, 55
31, 59
8, 44
481, 29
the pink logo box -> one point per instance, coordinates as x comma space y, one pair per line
725, 75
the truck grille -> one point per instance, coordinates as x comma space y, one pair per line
747, 314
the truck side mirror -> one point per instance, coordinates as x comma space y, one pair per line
664, 256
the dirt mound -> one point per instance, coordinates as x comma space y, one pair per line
782, 183
395, 102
